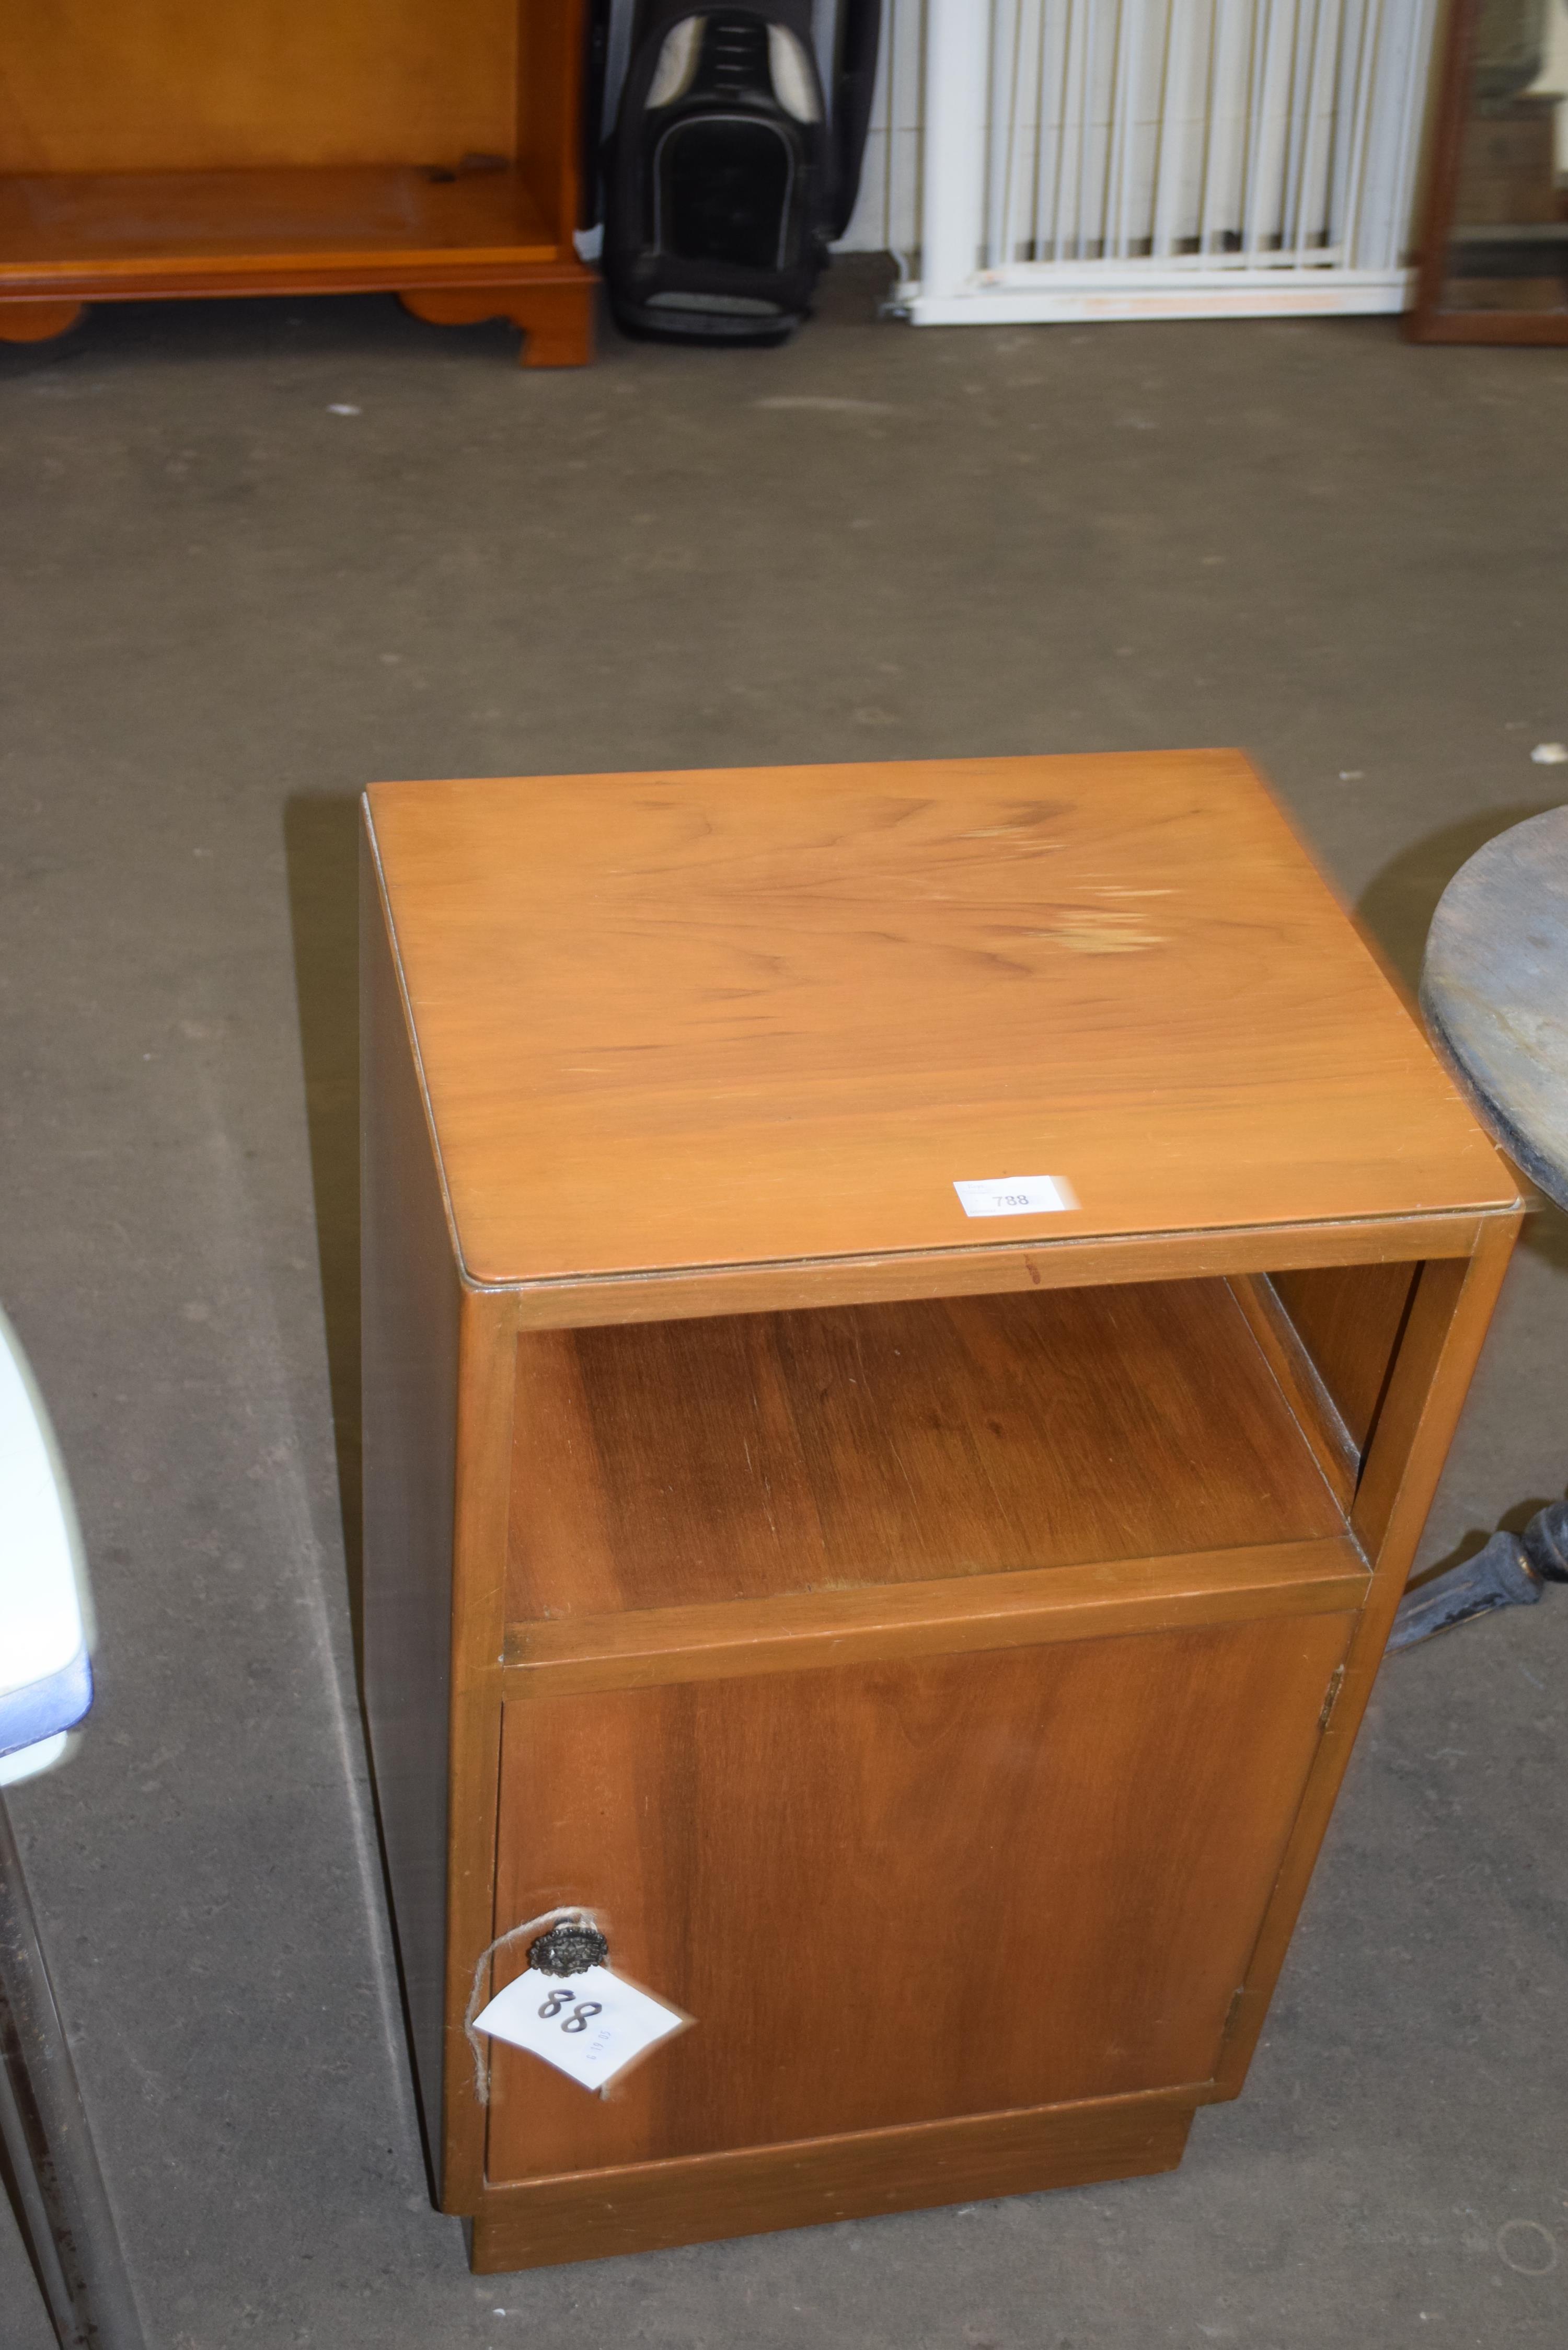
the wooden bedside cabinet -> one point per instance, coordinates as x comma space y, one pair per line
928, 1642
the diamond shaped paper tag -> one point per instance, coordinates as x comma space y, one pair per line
589, 2026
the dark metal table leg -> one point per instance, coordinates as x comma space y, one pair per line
1511, 1571
72, 2239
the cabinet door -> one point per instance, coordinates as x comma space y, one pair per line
896, 1892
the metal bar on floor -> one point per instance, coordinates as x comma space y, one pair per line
1005, 95
43, 2121
1365, 79
1170, 146
1123, 132
1214, 140
953, 196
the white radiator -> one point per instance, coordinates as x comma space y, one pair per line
1117, 159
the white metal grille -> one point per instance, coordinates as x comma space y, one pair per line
888, 216
1106, 158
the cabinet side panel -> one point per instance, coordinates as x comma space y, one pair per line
1438, 1343
409, 1334
549, 108
1349, 1317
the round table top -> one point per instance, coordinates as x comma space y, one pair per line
1494, 990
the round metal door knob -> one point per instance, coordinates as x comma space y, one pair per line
568, 1950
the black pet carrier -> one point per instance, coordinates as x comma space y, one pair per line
734, 164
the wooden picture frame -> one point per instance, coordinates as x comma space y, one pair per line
1492, 168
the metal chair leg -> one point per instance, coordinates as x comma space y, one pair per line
65, 2210
1511, 1571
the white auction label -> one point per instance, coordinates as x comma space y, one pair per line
1017, 1195
589, 2026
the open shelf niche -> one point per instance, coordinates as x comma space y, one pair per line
203, 146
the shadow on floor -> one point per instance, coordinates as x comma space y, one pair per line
357, 328
1397, 904
259, 328
11, 2194
321, 845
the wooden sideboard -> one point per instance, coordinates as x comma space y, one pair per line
928, 1645
199, 147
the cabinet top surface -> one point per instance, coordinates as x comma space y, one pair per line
750, 1016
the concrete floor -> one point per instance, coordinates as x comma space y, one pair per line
262, 553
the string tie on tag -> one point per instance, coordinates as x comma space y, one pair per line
583, 1917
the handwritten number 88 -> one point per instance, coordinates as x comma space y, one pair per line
578, 2019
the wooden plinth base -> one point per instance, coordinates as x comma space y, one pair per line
454, 245
648, 2207
35, 322
557, 321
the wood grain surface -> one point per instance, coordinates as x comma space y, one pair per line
111, 228
1300, 1383
900, 1892
212, 84
35, 322
190, 147
1115, 1597
555, 314
993, 1269
1349, 1319
746, 1017
120, 222
732, 1457
640, 2207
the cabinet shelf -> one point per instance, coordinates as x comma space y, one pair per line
65, 232
750, 1456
